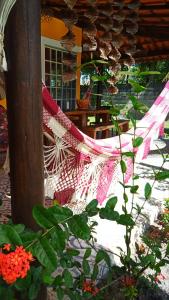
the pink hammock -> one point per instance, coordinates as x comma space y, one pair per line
77, 166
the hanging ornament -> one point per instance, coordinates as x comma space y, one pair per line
68, 40
91, 13
132, 16
112, 80
132, 27
89, 43
119, 16
107, 9
119, 3
134, 4
69, 75
106, 37
115, 54
129, 49
114, 67
69, 60
106, 24
117, 40
68, 17
128, 61
70, 3
89, 28
113, 89
117, 26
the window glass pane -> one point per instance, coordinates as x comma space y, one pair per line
47, 67
59, 56
53, 68
59, 81
47, 53
47, 80
53, 55
65, 92
53, 92
59, 93
53, 81
59, 69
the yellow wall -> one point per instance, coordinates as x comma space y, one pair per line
55, 29
3, 102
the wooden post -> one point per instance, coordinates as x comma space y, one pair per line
23, 86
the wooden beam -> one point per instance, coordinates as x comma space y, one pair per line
23, 82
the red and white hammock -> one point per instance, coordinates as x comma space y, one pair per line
77, 166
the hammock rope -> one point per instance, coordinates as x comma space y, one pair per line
5, 8
87, 167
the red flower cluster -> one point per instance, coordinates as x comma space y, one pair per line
128, 281
89, 286
15, 264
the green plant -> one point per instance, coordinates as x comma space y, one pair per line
55, 257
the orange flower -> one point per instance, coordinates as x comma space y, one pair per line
7, 247
15, 264
89, 286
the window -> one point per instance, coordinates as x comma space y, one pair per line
53, 69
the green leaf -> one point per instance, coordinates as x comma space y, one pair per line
162, 175
68, 279
91, 208
33, 291
114, 111
60, 293
149, 73
111, 203
125, 197
78, 226
137, 105
128, 154
58, 238
87, 253
72, 252
60, 213
167, 249
28, 237
47, 278
58, 280
45, 254
137, 141
147, 190
23, 284
109, 214
92, 62
102, 255
8, 235
99, 77
19, 228
43, 217
148, 259
137, 88
95, 272
123, 166
86, 267
134, 189
133, 99
126, 219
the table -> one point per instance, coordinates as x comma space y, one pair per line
81, 116
103, 122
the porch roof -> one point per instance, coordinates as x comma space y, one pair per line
151, 17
